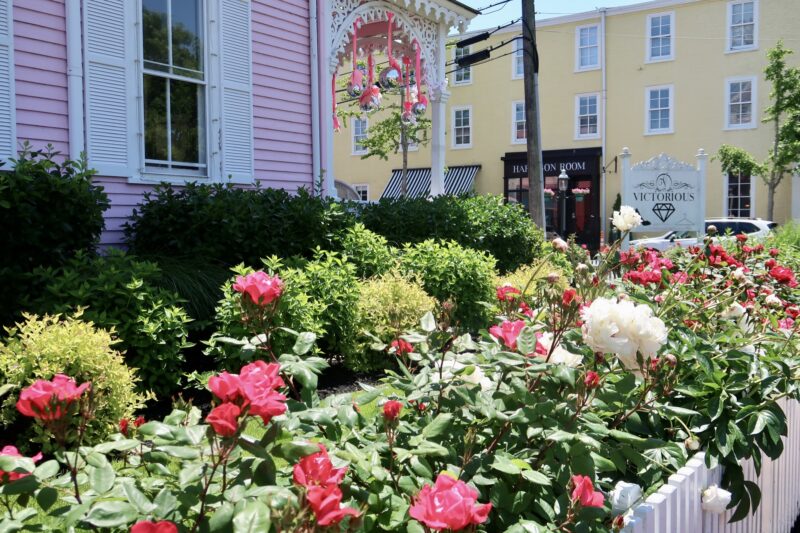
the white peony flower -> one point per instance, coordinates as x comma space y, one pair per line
734, 311
450, 368
692, 444
773, 301
624, 496
739, 274
623, 328
560, 356
715, 499
560, 244
626, 219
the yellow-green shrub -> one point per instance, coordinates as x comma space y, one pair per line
40, 347
520, 277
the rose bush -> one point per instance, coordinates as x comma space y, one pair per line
496, 432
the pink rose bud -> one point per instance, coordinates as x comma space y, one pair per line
592, 380
391, 410
560, 245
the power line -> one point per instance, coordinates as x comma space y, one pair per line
503, 3
487, 49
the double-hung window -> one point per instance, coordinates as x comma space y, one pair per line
363, 192
462, 127
740, 101
587, 47
463, 75
174, 86
739, 196
359, 127
742, 25
660, 31
587, 116
659, 110
518, 65
518, 132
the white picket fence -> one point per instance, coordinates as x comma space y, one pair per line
676, 507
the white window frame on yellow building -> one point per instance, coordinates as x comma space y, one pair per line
578, 66
362, 187
753, 182
517, 58
465, 51
649, 41
753, 124
353, 142
729, 49
453, 144
666, 131
578, 135
514, 105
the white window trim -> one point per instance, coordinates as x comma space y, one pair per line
729, 36
353, 150
647, 130
754, 180
514, 139
753, 124
365, 186
453, 144
468, 69
514, 75
578, 67
578, 136
648, 41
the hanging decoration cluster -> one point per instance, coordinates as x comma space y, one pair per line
368, 92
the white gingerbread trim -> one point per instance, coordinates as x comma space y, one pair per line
662, 162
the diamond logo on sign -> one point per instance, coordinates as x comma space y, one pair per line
663, 211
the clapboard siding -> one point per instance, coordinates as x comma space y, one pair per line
40, 60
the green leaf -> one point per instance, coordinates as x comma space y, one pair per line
220, 521
526, 341
5, 389
503, 464
438, 426
47, 469
25, 485
137, 498
190, 473
181, 452
111, 514
428, 323
155, 429
536, 477
46, 497
294, 450
165, 502
101, 479
305, 341
117, 446
253, 517
427, 447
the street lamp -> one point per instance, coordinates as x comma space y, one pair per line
563, 185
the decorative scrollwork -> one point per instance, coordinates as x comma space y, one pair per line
662, 162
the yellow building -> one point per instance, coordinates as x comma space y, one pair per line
666, 76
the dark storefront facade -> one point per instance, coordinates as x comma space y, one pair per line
582, 206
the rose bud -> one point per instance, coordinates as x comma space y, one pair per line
553, 277
560, 245
711, 230
671, 360
692, 444
391, 410
592, 380
774, 252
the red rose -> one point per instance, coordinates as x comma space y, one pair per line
783, 275
741, 237
526, 310
146, 526
584, 493
774, 252
592, 380
225, 386
8, 477
568, 297
793, 311
123, 426
224, 419
770, 263
508, 332
259, 382
139, 421
449, 504
402, 347
507, 293
49, 400
260, 287
391, 410
317, 470
326, 502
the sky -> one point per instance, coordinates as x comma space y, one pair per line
499, 15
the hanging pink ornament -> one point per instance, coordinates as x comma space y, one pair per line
356, 84
408, 117
391, 76
336, 125
371, 99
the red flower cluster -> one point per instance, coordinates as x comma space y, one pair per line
643, 277
124, 424
784, 276
569, 296
316, 473
402, 347
718, 256
391, 410
254, 389
449, 504
146, 526
50, 400
262, 288
507, 293
583, 492
508, 332
8, 477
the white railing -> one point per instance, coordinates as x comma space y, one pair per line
676, 507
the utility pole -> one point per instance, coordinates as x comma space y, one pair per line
530, 61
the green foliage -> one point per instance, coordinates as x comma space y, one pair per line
481, 222
737, 161
455, 275
39, 348
368, 251
385, 137
231, 225
121, 292
526, 276
787, 238
50, 210
388, 306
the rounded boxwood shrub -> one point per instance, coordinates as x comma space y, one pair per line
54, 210
368, 251
122, 292
40, 347
452, 273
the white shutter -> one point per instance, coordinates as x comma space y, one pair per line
8, 118
110, 51
237, 90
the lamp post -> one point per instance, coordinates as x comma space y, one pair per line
563, 185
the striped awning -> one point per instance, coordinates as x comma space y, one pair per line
458, 180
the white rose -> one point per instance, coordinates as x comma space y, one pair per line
624, 496
560, 244
715, 499
450, 369
560, 355
739, 274
773, 301
626, 219
734, 311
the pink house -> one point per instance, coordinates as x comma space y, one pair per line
215, 91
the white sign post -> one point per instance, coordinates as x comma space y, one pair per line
669, 195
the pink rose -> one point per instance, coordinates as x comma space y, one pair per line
584, 493
262, 288
317, 470
508, 332
225, 386
259, 382
402, 346
507, 293
49, 400
449, 504
592, 380
8, 477
326, 502
146, 526
225, 419
391, 410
